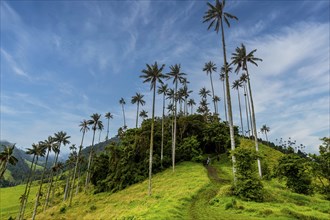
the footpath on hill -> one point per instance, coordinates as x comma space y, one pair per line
198, 208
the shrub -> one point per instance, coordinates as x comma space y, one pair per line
293, 169
248, 186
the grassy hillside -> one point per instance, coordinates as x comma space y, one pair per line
9, 200
191, 192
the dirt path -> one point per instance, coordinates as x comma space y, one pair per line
204, 196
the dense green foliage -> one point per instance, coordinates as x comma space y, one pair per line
247, 186
294, 169
126, 162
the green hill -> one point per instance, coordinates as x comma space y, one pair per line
191, 192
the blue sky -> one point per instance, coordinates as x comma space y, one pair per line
62, 61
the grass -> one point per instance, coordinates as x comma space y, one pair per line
9, 200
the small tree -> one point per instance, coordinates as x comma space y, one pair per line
293, 169
248, 186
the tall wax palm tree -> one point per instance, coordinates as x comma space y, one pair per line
241, 59
48, 144
7, 157
209, 68
96, 124
191, 103
236, 85
138, 99
108, 116
177, 76
185, 93
30, 151
264, 129
122, 102
216, 15
70, 166
243, 79
40, 152
223, 79
143, 114
162, 89
203, 92
83, 128
152, 74
62, 139
216, 99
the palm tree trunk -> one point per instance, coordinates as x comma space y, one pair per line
137, 115
162, 144
77, 188
254, 123
51, 183
250, 115
89, 162
122, 106
215, 109
67, 188
266, 136
230, 114
246, 110
224, 99
77, 163
107, 138
40, 188
174, 127
3, 169
29, 189
152, 139
26, 188
240, 111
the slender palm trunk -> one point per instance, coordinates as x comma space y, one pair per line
254, 123
89, 162
266, 136
29, 189
78, 182
191, 109
240, 111
122, 107
137, 115
77, 163
100, 135
250, 115
230, 115
26, 188
152, 139
67, 185
246, 110
107, 138
174, 127
215, 108
224, 99
40, 187
162, 144
51, 182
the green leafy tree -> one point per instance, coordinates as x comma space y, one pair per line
138, 99
295, 170
209, 68
248, 186
216, 16
241, 59
321, 166
152, 74
177, 76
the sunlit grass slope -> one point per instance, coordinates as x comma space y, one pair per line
9, 200
172, 194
